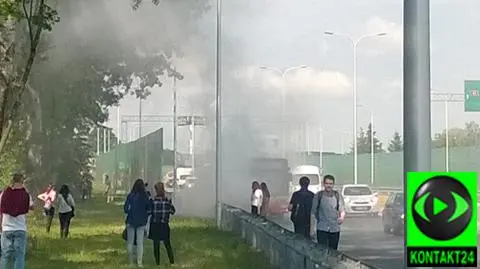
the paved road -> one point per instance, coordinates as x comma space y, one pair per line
363, 238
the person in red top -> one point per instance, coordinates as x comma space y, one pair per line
15, 202
48, 198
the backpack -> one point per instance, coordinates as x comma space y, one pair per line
320, 195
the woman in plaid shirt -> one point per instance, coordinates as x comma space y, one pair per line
162, 208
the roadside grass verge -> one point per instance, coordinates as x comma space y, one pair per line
95, 242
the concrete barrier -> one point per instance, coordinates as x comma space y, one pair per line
284, 249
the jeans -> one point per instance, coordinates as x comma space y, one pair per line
65, 219
328, 239
14, 246
139, 232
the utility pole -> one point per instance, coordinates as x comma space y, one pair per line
174, 135
416, 91
218, 119
447, 98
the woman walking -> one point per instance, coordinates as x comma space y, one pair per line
265, 201
256, 199
66, 210
48, 197
159, 228
137, 208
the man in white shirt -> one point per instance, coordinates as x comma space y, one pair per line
15, 202
257, 198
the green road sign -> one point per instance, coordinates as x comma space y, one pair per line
472, 95
441, 226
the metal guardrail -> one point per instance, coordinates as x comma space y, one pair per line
391, 189
284, 249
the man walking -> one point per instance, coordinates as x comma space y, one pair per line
301, 207
15, 202
329, 211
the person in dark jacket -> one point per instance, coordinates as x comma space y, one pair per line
301, 207
137, 207
159, 229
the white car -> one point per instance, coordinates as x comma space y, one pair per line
359, 199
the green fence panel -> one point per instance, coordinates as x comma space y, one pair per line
389, 166
127, 162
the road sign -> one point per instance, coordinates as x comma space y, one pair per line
441, 219
187, 120
472, 95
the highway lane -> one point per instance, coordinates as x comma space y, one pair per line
363, 238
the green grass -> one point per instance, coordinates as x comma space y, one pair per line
95, 242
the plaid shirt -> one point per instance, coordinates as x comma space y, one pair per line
162, 209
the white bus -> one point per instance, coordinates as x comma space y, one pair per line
310, 171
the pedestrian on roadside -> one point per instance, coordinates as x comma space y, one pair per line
15, 203
162, 208
329, 212
49, 197
256, 198
137, 207
108, 188
300, 207
66, 210
265, 201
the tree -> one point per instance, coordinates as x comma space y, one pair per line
74, 94
21, 25
396, 144
364, 139
458, 137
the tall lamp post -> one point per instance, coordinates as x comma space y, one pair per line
355, 43
446, 98
283, 92
372, 146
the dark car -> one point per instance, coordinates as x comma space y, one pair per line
393, 214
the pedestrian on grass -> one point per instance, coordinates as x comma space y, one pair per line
66, 210
15, 202
162, 208
329, 211
256, 198
137, 207
49, 198
265, 201
300, 207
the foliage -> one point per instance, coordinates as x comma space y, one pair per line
95, 242
458, 137
22, 24
78, 82
396, 144
364, 139
12, 156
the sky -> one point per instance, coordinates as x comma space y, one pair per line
285, 33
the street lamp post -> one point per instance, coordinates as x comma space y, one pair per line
218, 118
446, 98
372, 151
372, 147
321, 149
283, 92
355, 43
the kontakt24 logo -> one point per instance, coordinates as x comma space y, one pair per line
441, 223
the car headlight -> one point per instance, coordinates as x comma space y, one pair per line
402, 216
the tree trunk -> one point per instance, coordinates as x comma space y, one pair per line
33, 140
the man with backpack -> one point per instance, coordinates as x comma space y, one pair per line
329, 211
301, 207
